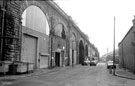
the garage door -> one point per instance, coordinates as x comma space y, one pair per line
43, 61
29, 49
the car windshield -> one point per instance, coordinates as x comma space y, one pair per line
110, 61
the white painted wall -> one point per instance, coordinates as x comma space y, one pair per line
34, 18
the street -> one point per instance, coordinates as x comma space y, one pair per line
74, 76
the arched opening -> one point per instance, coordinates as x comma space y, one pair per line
35, 32
81, 52
34, 18
86, 51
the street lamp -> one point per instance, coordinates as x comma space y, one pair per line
63, 62
63, 47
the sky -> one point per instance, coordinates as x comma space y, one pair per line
96, 19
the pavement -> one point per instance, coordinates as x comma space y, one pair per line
35, 73
120, 72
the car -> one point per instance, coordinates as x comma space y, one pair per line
93, 63
86, 62
110, 65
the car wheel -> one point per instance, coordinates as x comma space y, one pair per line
107, 67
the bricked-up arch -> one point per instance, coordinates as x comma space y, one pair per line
59, 30
73, 58
81, 52
34, 18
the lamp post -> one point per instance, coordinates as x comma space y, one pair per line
114, 50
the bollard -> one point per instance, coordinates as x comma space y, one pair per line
110, 70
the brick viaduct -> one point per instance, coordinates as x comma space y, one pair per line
76, 43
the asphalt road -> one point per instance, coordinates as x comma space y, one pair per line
73, 76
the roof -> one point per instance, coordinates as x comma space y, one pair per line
125, 35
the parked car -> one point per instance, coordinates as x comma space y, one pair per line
93, 63
110, 64
86, 62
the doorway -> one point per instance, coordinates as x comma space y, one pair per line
57, 59
72, 57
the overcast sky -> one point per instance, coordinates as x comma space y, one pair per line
96, 18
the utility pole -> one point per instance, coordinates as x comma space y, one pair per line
107, 54
114, 50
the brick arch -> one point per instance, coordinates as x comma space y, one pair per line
25, 4
63, 27
58, 20
81, 39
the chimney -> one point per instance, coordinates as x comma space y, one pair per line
133, 21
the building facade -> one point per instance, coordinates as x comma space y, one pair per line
40, 33
127, 50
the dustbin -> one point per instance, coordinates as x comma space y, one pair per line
22, 67
13, 69
4, 66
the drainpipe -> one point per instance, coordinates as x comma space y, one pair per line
51, 47
2, 29
51, 38
122, 57
72, 54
